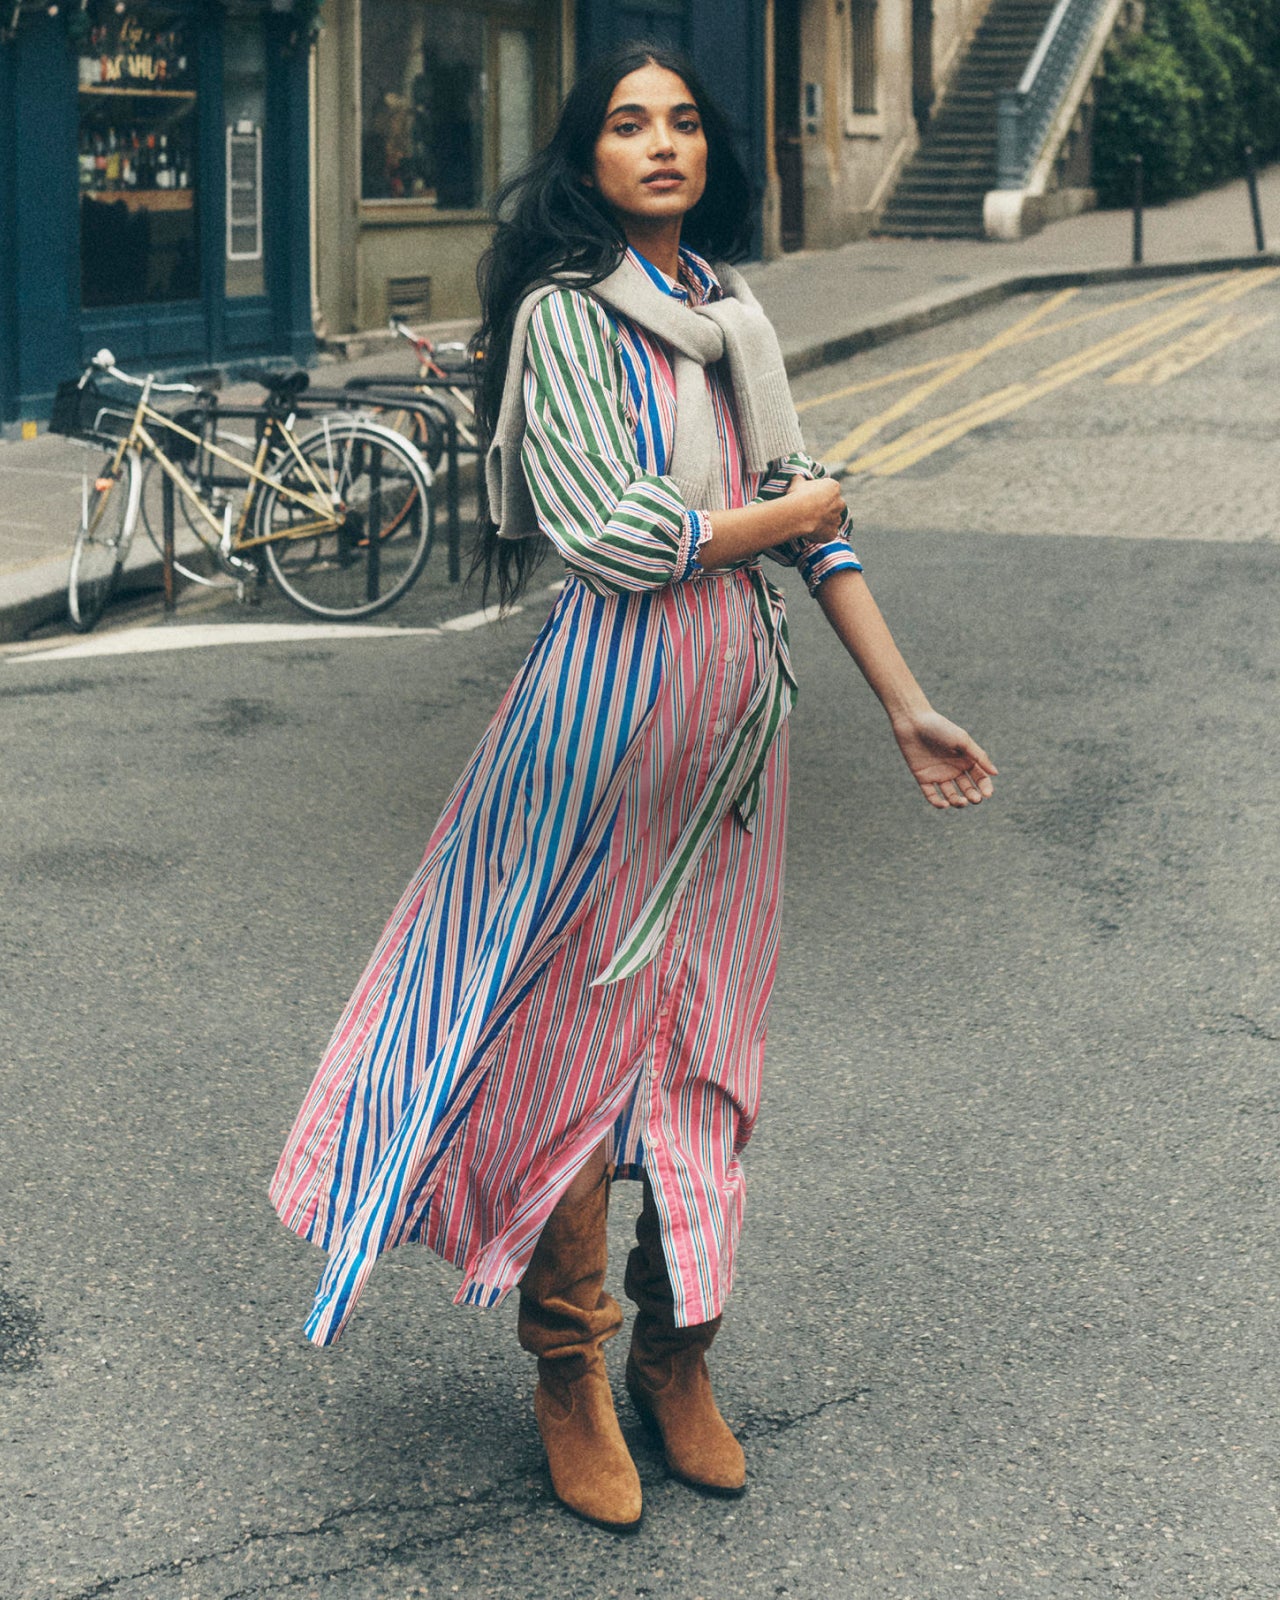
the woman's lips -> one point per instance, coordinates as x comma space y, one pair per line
663, 180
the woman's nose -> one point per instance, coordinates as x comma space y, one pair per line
660, 141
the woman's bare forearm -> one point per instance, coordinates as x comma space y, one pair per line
747, 531
810, 509
853, 614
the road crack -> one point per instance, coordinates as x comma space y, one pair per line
505, 1501
334, 1522
1238, 1022
766, 1426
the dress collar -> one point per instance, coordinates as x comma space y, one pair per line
705, 284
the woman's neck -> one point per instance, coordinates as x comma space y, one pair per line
659, 245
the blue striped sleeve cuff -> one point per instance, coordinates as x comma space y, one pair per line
816, 562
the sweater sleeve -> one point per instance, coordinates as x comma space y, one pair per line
618, 528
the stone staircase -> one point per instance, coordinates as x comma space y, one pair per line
940, 192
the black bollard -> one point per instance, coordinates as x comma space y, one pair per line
1137, 211
1251, 178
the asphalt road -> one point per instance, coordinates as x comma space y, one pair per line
1006, 1317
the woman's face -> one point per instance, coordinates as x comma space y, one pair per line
651, 153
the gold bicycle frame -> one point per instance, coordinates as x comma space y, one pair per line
321, 504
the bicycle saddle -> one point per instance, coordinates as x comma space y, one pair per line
281, 383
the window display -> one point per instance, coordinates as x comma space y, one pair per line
448, 100
137, 161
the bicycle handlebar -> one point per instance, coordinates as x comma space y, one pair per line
104, 361
423, 345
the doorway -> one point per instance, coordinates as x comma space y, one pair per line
787, 149
922, 61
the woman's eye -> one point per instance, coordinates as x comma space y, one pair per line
688, 125
625, 127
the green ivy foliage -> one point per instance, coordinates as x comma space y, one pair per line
1187, 94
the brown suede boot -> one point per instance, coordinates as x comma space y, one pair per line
667, 1372
565, 1318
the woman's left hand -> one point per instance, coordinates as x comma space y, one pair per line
949, 767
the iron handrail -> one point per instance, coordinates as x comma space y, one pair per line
1024, 114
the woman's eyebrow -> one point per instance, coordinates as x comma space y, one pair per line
643, 111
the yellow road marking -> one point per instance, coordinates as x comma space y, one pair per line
974, 415
865, 431
901, 374
930, 437
1188, 352
874, 383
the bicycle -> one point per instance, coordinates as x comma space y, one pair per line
445, 366
341, 516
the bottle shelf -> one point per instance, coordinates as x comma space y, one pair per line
105, 92
144, 199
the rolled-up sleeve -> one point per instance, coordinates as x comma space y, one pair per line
815, 559
617, 527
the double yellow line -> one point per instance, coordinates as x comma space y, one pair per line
927, 438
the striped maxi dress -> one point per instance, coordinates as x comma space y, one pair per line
587, 951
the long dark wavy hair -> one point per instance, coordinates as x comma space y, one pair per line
547, 221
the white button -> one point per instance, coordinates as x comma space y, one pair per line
728, 655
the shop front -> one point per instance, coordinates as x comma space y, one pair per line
423, 107
155, 197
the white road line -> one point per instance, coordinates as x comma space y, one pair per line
152, 637
479, 619
141, 641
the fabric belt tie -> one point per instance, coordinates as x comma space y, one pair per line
734, 781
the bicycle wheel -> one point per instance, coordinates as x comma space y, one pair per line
102, 541
376, 543
425, 436
195, 555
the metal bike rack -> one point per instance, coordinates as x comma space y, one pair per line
406, 393
308, 402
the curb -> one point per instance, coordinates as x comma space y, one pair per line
38, 594
929, 311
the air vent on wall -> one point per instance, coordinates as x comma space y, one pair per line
409, 298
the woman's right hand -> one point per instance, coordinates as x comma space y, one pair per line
817, 506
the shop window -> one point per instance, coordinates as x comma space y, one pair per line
862, 20
244, 98
449, 99
137, 159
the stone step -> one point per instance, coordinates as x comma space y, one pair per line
939, 230
941, 189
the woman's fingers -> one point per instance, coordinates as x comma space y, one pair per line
969, 788
981, 760
955, 793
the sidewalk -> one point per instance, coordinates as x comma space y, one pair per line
826, 305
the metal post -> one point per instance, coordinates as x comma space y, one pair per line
1137, 211
166, 517
373, 527
455, 530
1251, 178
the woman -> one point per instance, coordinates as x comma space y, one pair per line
575, 984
